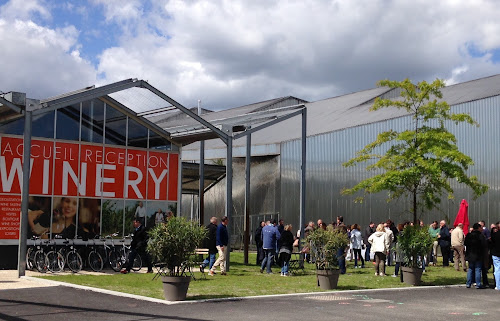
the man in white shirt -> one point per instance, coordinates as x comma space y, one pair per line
140, 213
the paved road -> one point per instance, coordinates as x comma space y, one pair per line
67, 303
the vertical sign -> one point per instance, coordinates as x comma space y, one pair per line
10, 211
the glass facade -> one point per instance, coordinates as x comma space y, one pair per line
88, 139
68, 123
92, 129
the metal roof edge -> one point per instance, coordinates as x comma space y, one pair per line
471, 100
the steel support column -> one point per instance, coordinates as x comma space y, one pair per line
179, 186
303, 175
23, 222
201, 194
229, 193
246, 236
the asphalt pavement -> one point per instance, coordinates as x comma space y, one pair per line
57, 302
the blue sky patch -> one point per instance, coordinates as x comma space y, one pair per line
475, 52
95, 33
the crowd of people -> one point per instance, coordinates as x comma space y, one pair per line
473, 251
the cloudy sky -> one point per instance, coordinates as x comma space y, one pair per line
230, 53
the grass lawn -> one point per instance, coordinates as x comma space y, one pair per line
246, 280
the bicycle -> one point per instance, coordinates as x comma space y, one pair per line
40, 259
113, 255
124, 253
30, 253
55, 258
73, 258
95, 259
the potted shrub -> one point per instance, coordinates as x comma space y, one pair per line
324, 245
171, 245
414, 244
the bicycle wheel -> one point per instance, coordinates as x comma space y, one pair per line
115, 260
55, 261
30, 258
41, 263
95, 260
137, 263
74, 261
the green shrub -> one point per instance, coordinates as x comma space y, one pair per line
324, 246
172, 243
414, 243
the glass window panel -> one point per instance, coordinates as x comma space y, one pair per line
89, 217
112, 217
133, 209
137, 134
116, 126
68, 122
64, 217
156, 212
39, 216
13, 127
92, 121
158, 142
43, 125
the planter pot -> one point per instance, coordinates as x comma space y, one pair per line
175, 287
327, 279
411, 276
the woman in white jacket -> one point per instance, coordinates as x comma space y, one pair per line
380, 246
356, 245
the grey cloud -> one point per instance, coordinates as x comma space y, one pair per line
230, 53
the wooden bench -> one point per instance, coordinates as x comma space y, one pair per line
194, 262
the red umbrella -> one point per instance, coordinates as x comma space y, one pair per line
463, 216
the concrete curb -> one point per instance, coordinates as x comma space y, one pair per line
145, 298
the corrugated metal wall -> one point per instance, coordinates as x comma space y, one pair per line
326, 176
264, 196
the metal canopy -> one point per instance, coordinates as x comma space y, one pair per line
15, 105
137, 99
253, 121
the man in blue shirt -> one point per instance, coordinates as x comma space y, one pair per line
270, 236
222, 240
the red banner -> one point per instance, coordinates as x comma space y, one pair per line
89, 171
83, 170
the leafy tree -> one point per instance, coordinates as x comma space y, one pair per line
421, 161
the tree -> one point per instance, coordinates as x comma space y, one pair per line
421, 161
